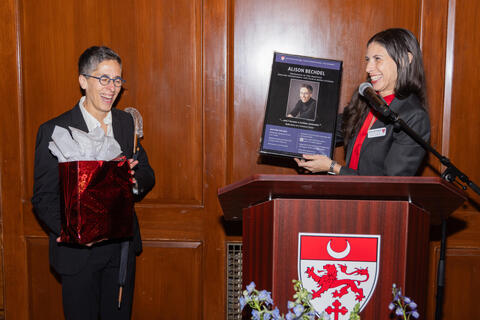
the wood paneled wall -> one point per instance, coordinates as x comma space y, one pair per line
329, 29
325, 29
198, 71
174, 61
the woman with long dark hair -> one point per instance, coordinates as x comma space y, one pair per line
373, 145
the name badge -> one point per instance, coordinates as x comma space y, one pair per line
374, 133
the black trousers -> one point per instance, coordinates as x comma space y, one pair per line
92, 294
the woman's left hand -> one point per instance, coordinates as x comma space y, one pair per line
132, 164
314, 162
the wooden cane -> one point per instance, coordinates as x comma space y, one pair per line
135, 137
120, 296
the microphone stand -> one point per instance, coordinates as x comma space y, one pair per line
451, 174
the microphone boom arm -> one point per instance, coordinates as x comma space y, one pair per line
451, 172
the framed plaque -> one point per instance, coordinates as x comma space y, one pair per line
302, 106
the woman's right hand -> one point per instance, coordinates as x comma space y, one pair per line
314, 162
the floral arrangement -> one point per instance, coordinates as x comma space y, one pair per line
262, 306
404, 306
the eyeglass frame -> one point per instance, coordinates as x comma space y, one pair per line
104, 76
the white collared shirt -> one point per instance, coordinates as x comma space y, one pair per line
93, 123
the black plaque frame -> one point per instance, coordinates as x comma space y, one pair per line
292, 128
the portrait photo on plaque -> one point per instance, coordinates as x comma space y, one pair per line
302, 105
302, 99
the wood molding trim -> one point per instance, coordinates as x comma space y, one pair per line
449, 65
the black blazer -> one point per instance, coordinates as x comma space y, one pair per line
395, 153
67, 259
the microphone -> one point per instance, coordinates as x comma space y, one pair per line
375, 101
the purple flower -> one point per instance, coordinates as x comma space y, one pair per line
298, 310
276, 313
398, 295
255, 315
290, 304
399, 311
251, 287
266, 296
261, 303
405, 307
243, 302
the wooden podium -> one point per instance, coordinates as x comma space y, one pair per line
276, 208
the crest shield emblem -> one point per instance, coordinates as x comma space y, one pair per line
339, 270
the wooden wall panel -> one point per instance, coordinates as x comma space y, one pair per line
11, 165
168, 278
44, 289
174, 61
449, 39
464, 116
463, 267
461, 282
214, 77
315, 28
452, 40
203, 113
162, 66
168, 283
2, 285
435, 17
167, 85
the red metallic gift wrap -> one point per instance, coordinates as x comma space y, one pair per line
97, 201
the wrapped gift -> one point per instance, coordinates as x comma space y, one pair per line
97, 201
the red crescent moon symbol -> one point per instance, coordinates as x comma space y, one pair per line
338, 255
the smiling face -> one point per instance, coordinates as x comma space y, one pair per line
305, 94
99, 99
381, 69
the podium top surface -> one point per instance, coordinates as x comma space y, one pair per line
433, 194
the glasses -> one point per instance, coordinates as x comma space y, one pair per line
105, 80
